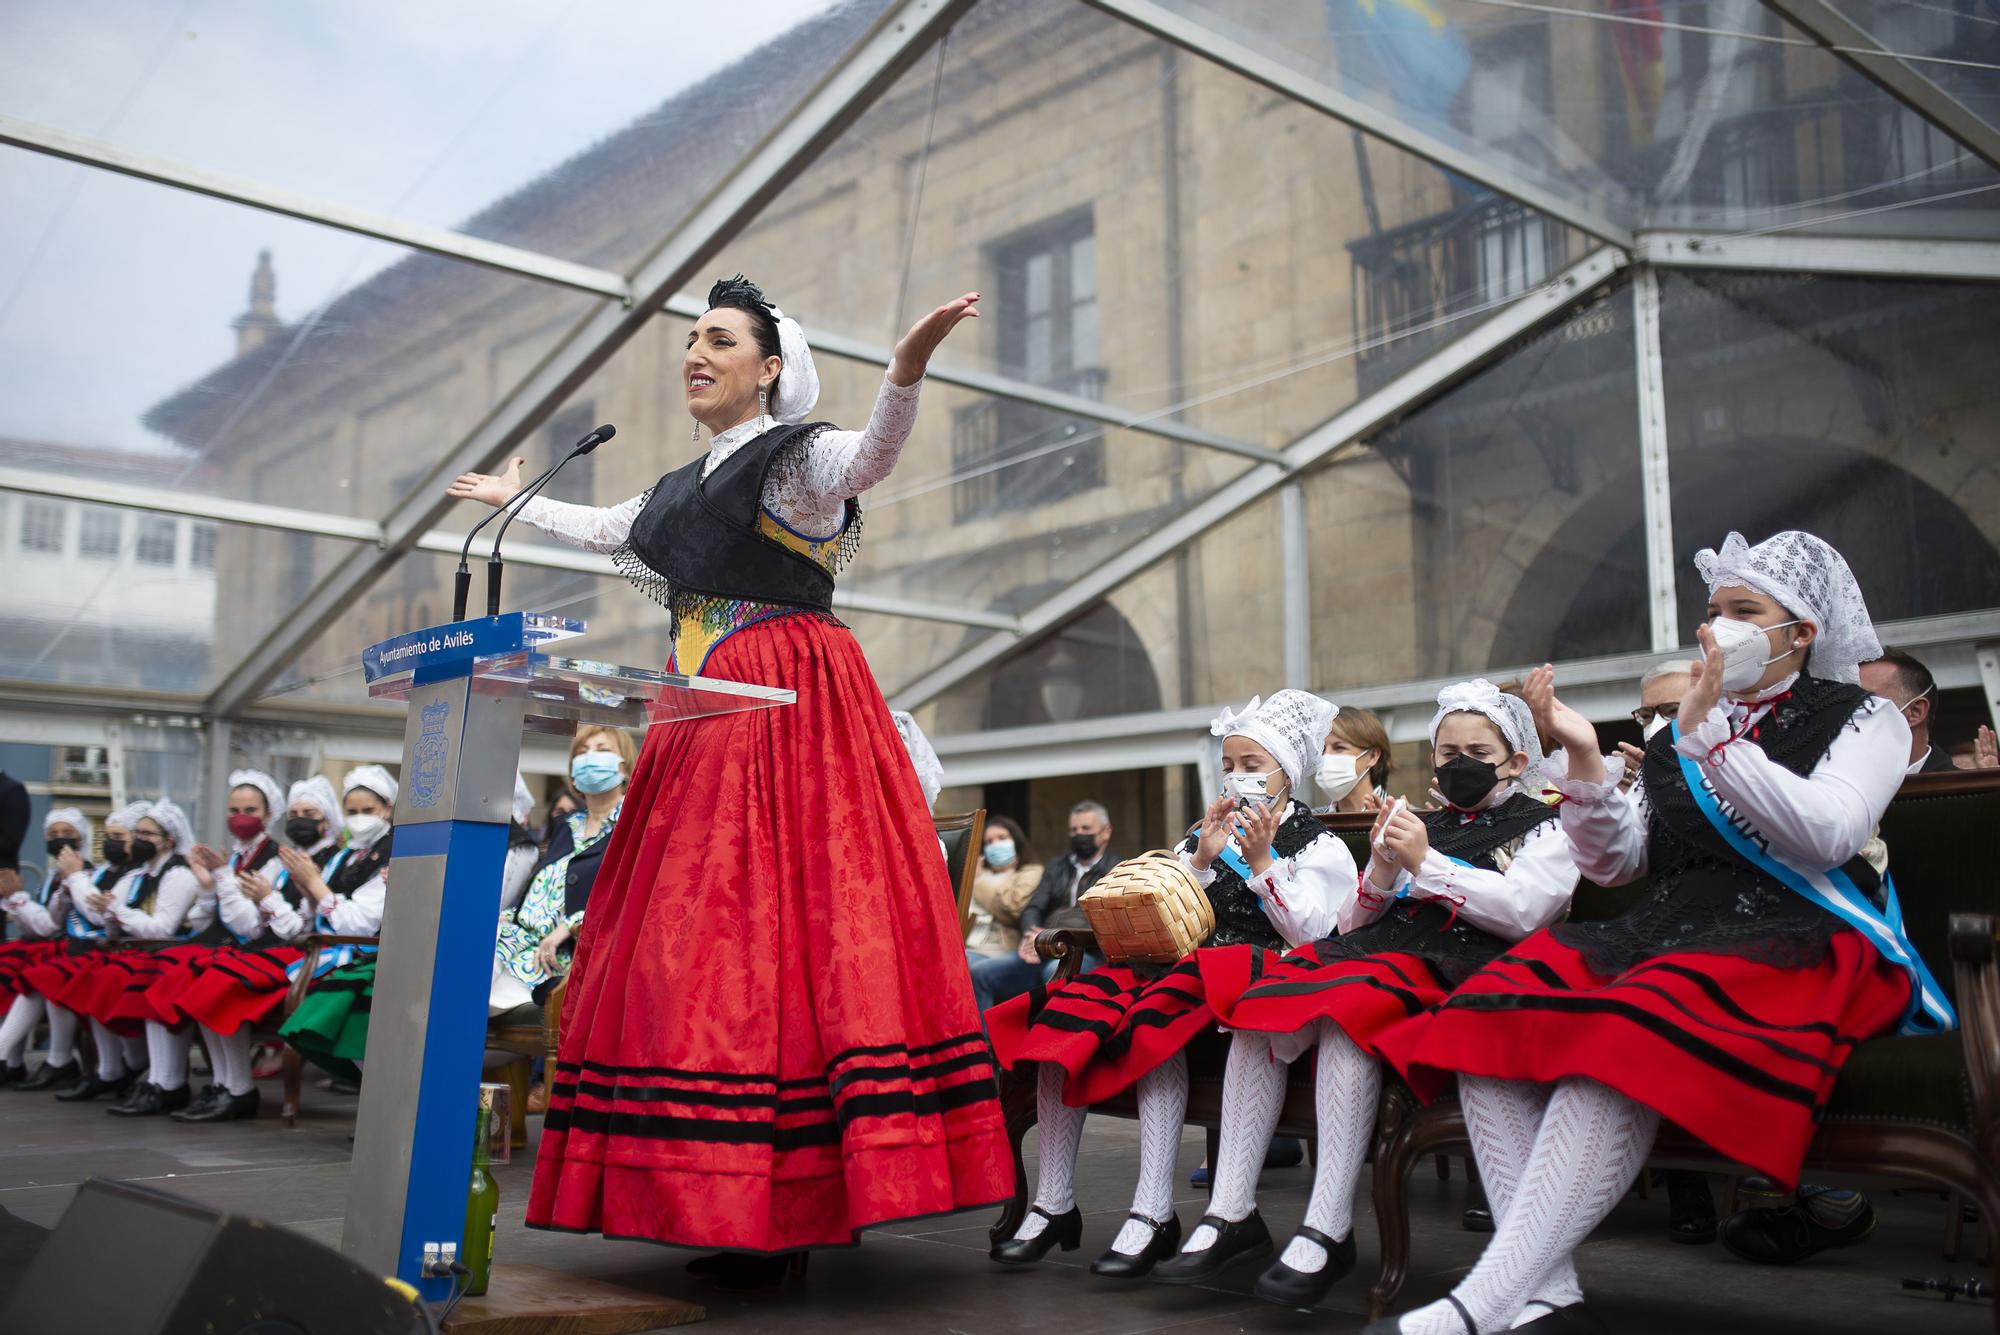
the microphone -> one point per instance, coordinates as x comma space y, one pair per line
514, 507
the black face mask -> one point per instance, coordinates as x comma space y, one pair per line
56, 846
116, 850
1084, 846
1465, 782
144, 850
302, 831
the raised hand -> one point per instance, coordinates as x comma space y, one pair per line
1704, 691
1256, 826
305, 875
913, 353
1565, 727
256, 886
495, 489
1407, 838
69, 862
1985, 749
1215, 827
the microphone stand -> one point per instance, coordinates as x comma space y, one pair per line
461, 580
515, 506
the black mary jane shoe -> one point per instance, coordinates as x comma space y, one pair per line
204, 1099
1304, 1289
14, 1075
1388, 1324
91, 1087
1165, 1240
224, 1107
1575, 1319
50, 1077
152, 1101
1245, 1240
1064, 1230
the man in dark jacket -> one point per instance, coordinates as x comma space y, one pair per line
1052, 908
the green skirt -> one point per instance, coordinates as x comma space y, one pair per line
330, 1027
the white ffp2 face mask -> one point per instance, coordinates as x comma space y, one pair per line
1743, 646
1652, 730
1337, 776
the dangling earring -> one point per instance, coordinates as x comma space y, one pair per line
763, 408
695, 435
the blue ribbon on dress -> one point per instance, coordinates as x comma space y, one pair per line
331, 957
1835, 891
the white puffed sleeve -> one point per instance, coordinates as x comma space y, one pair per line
1822, 819
1532, 893
179, 891
358, 913
809, 493
238, 911
79, 885
39, 921
1606, 827
1303, 895
593, 528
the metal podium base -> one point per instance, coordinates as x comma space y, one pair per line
534, 1300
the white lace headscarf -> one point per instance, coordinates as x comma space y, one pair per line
274, 795
1509, 713
524, 801
1813, 583
930, 770
317, 793
1291, 725
375, 779
798, 378
69, 816
174, 821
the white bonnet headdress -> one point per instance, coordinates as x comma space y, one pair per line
174, 821
930, 770
69, 816
126, 815
317, 792
798, 378
375, 779
1509, 713
1813, 582
1291, 725
274, 796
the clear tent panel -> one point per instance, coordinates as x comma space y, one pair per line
162, 339
1953, 45
1710, 114
1148, 230
584, 131
1862, 411
141, 600
1497, 526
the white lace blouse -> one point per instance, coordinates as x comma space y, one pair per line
807, 491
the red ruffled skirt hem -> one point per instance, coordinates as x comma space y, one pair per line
1268, 993
237, 987
1739, 1054
1105, 1028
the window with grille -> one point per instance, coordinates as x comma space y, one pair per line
158, 536
42, 526
201, 546
1008, 455
102, 532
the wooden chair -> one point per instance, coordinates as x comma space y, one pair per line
524, 1043
962, 836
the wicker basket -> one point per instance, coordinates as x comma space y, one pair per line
1148, 908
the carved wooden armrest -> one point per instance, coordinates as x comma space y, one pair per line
312, 944
1977, 975
552, 1023
1066, 946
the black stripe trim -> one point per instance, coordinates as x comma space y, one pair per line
1725, 1063
701, 1130
1727, 1004
1411, 1002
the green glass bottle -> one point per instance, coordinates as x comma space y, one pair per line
482, 1207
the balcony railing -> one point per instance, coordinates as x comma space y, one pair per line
1057, 454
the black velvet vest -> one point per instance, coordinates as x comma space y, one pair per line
1701, 895
1433, 929
697, 538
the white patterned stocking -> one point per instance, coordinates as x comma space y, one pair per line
1345, 1090
1501, 1119
1253, 1094
1060, 1129
1163, 1095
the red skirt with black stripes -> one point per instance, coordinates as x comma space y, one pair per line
1740, 1054
1105, 1028
16, 958
768, 1037
1268, 993
237, 987
52, 973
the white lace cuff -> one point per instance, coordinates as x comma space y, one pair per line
1556, 771
1704, 739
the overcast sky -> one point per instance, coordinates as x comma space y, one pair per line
114, 292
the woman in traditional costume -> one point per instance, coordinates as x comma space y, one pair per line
768, 1041
1765, 949
36, 920
1275, 876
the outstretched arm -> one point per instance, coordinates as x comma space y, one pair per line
593, 528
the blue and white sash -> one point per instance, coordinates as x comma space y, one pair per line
328, 958
1835, 891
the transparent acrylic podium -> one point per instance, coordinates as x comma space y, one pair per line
473, 687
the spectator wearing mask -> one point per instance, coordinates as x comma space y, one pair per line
1052, 907
54, 975
1660, 692
34, 920
1006, 879
1907, 684
1355, 765
536, 939
330, 1027
561, 807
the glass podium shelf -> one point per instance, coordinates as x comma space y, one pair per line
503, 655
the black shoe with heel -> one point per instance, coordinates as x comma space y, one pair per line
51, 1077
1064, 1230
1575, 1319
1244, 1240
152, 1101
91, 1087
1166, 1238
224, 1107
1306, 1288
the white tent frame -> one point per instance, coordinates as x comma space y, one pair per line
905, 32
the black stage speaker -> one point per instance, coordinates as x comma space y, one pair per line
128, 1260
